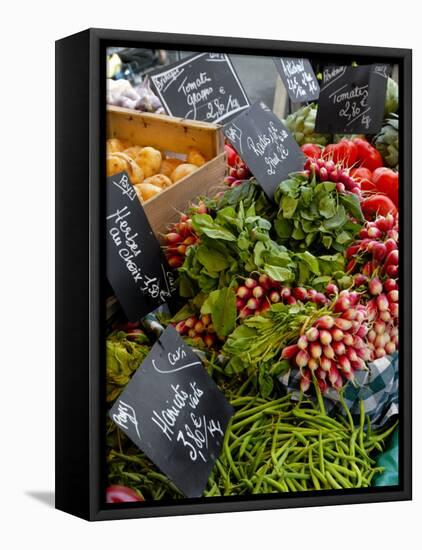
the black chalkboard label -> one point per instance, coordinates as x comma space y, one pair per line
175, 413
201, 87
266, 146
136, 268
298, 77
352, 99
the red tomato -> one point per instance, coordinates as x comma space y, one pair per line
312, 150
364, 177
230, 154
345, 152
387, 181
367, 156
378, 205
120, 493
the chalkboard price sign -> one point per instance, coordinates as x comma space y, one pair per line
352, 99
298, 77
175, 413
266, 146
201, 87
136, 268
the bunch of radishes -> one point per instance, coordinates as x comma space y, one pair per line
180, 237
328, 170
199, 329
238, 170
377, 248
258, 293
383, 316
333, 347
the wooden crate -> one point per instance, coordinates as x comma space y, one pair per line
171, 134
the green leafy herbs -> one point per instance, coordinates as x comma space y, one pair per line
314, 216
257, 343
249, 194
236, 243
221, 305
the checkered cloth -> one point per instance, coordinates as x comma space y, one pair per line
377, 387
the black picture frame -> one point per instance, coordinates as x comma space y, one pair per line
80, 279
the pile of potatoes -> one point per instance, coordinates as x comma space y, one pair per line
150, 172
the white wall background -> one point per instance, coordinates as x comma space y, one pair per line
28, 31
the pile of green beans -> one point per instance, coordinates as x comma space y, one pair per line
273, 445
281, 446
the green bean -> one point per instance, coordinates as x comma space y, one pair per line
244, 445
333, 471
352, 458
230, 459
260, 478
321, 454
295, 475
291, 485
299, 486
275, 484
258, 456
258, 408
332, 481
344, 470
248, 483
358, 474
346, 408
319, 475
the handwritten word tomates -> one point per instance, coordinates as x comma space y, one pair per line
352, 99
201, 87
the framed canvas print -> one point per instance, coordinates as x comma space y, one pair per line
233, 274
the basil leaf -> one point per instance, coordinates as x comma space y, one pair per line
298, 234
278, 273
265, 381
343, 237
304, 273
289, 204
280, 367
203, 223
352, 203
327, 207
337, 220
186, 288
212, 260
310, 261
224, 312
258, 251
243, 241
283, 228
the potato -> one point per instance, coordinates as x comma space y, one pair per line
115, 165
115, 145
133, 151
146, 191
182, 171
168, 165
195, 157
119, 162
160, 180
149, 160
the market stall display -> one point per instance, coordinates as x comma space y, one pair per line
300, 287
